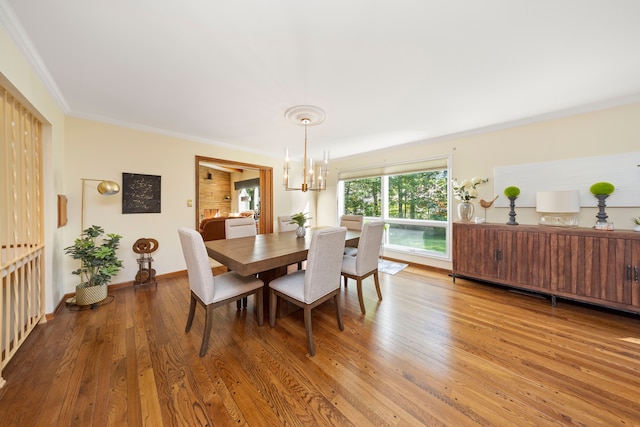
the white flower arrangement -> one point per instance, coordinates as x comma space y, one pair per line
465, 190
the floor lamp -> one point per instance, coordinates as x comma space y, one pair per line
106, 188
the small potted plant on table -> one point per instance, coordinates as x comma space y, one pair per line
300, 219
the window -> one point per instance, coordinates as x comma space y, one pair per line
411, 198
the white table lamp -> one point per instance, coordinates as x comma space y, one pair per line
558, 208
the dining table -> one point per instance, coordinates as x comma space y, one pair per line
267, 255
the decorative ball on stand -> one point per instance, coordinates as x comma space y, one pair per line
602, 190
512, 194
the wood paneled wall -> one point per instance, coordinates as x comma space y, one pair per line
215, 192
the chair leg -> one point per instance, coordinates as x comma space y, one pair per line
307, 328
244, 302
273, 301
208, 319
260, 306
239, 305
377, 282
345, 281
192, 312
338, 313
360, 298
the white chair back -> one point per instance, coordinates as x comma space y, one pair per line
198, 266
239, 227
324, 263
352, 222
284, 224
369, 247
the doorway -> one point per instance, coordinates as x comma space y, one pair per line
227, 188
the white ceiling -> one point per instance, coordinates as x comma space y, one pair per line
385, 72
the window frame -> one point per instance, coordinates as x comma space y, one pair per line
387, 170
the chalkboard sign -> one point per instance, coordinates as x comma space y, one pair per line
140, 193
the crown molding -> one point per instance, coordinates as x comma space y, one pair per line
12, 25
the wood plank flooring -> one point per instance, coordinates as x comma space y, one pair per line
431, 353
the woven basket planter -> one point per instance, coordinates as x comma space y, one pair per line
90, 295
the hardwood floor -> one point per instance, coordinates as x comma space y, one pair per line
431, 353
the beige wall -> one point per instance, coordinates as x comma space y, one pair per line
611, 131
103, 151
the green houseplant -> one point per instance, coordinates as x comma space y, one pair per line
300, 219
98, 263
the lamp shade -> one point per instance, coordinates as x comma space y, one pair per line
108, 188
558, 201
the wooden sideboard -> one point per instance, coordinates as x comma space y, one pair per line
583, 264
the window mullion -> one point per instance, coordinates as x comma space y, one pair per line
385, 197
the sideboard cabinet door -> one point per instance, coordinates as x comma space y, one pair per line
591, 268
502, 254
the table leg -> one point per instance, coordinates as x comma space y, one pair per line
285, 308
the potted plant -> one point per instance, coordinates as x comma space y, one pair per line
300, 219
98, 263
602, 190
636, 221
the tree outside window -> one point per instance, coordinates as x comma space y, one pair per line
414, 205
363, 197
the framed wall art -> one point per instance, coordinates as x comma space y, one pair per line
140, 193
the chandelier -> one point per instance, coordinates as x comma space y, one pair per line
314, 178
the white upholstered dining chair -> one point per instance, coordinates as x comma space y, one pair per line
239, 227
315, 285
211, 291
365, 261
285, 224
351, 222
235, 228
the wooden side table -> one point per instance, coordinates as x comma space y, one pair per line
146, 274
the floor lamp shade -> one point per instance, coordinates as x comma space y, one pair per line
106, 188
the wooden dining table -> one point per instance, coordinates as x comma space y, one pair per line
267, 255
266, 252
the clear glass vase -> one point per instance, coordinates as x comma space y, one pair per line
465, 211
